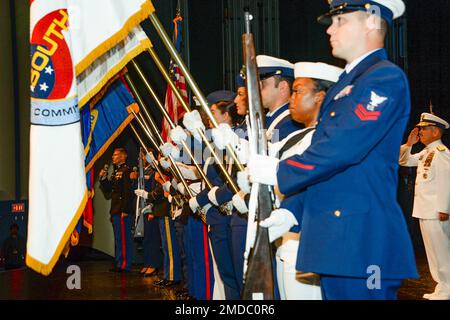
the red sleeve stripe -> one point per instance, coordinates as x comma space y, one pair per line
300, 165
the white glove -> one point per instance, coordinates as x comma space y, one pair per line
174, 183
193, 121
263, 169
177, 213
147, 209
243, 182
239, 202
166, 186
212, 195
178, 135
169, 198
164, 163
168, 149
279, 222
188, 172
180, 188
141, 193
224, 135
150, 157
193, 204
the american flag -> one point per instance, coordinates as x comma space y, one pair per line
172, 105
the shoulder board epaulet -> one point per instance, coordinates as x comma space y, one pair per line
441, 147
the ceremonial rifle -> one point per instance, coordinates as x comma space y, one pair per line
259, 283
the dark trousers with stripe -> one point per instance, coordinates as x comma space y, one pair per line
238, 237
199, 260
171, 251
220, 235
123, 241
342, 288
152, 243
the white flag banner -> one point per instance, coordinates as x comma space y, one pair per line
97, 75
57, 183
100, 25
66, 38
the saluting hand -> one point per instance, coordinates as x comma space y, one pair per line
413, 137
443, 216
102, 173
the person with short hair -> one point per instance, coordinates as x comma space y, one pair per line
119, 185
432, 197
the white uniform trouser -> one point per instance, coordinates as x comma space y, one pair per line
218, 290
290, 288
436, 238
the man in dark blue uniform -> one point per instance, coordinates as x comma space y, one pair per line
354, 233
121, 207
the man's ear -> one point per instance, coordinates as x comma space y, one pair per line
373, 22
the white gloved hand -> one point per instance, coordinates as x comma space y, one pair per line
166, 186
168, 149
193, 121
169, 198
279, 222
224, 135
212, 195
178, 135
239, 202
181, 188
150, 157
263, 169
141, 193
164, 163
174, 183
177, 213
193, 204
243, 182
147, 209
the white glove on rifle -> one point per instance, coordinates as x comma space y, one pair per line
168, 149
178, 135
166, 186
263, 169
164, 163
243, 182
239, 202
193, 204
279, 222
212, 195
141, 193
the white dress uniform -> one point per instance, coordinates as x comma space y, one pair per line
289, 286
432, 195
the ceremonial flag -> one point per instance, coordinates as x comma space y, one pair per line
63, 63
106, 119
172, 105
57, 182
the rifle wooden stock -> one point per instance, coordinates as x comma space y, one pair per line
259, 282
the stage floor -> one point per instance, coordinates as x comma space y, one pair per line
97, 283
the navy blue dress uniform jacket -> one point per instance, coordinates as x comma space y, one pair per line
351, 217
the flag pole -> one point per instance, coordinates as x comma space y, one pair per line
166, 115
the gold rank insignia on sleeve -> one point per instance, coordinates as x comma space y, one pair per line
441, 147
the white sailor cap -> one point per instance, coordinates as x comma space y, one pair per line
387, 9
317, 70
270, 66
428, 119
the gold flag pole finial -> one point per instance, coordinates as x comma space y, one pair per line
431, 107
